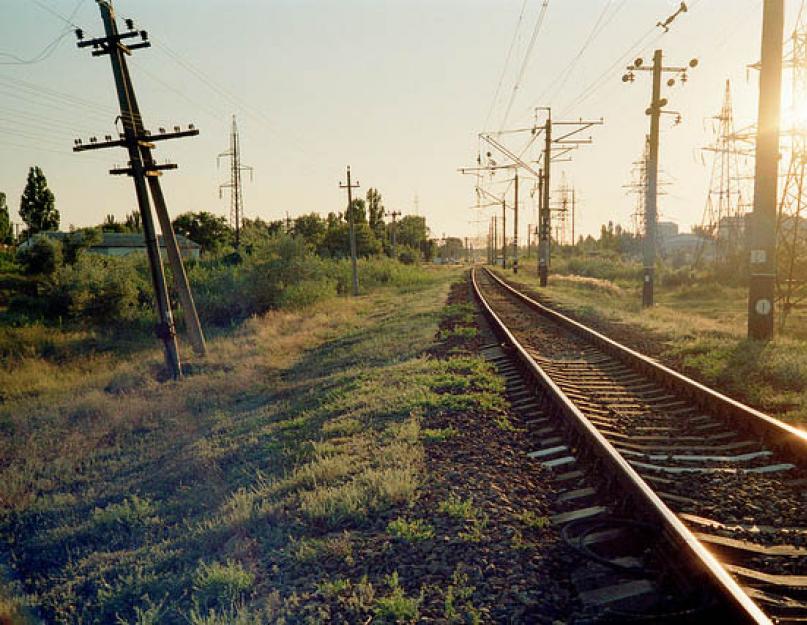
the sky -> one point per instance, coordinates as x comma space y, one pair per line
397, 89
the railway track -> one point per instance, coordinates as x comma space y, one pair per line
724, 486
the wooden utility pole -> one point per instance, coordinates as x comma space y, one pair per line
515, 226
574, 241
142, 168
654, 111
762, 288
352, 222
395, 215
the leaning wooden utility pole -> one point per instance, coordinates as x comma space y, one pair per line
655, 112
352, 222
143, 169
762, 288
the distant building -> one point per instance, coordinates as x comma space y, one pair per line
122, 244
666, 230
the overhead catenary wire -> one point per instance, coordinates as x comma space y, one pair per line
539, 22
506, 63
600, 25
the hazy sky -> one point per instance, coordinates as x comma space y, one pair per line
398, 89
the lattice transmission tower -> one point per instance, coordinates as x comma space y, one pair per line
791, 252
723, 225
235, 184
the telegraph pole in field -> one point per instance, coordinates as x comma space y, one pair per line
352, 222
654, 111
762, 289
235, 186
145, 173
395, 215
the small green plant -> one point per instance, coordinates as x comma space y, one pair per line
397, 607
438, 435
476, 531
220, 585
533, 521
457, 605
504, 423
132, 513
458, 508
459, 332
410, 531
331, 588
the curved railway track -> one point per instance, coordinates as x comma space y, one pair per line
724, 484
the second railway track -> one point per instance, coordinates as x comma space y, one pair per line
724, 484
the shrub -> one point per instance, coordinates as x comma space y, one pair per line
408, 255
42, 257
410, 531
220, 585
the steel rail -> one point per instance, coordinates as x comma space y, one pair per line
789, 440
699, 559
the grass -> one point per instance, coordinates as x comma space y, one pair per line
410, 531
210, 500
699, 329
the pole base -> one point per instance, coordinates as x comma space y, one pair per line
543, 275
647, 287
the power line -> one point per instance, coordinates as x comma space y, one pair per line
506, 63
49, 49
535, 32
596, 30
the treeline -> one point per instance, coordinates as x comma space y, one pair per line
289, 263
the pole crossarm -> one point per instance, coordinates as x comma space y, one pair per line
509, 154
146, 140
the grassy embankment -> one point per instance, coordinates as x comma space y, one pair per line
697, 328
221, 499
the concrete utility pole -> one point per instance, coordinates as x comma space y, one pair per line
574, 241
504, 234
145, 172
762, 289
235, 186
495, 238
515, 226
545, 215
655, 111
395, 215
352, 222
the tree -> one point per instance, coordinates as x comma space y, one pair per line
311, 228
452, 248
37, 204
206, 229
412, 231
134, 222
111, 225
6, 230
375, 208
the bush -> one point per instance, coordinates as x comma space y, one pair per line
42, 257
97, 289
408, 255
